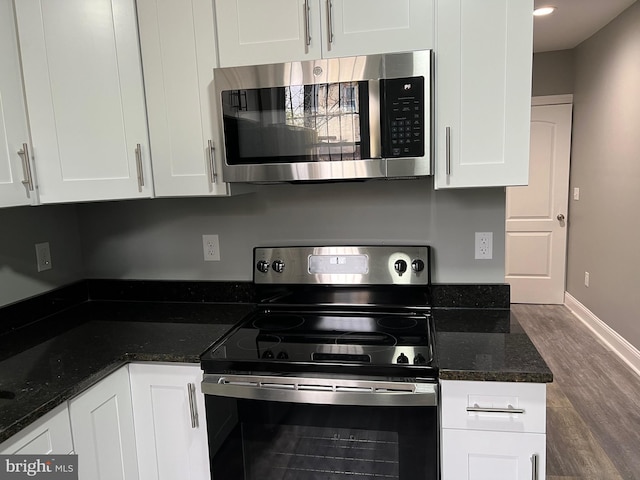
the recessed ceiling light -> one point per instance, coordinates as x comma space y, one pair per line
539, 12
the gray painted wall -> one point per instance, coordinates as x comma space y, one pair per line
162, 238
604, 228
553, 73
22, 228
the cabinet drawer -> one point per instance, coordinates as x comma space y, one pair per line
50, 434
498, 406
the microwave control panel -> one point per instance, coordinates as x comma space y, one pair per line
402, 117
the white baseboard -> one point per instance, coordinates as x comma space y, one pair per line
621, 347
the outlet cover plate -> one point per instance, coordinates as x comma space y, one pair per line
43, 256
484, 246
211, 248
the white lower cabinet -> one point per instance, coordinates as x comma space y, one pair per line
103, 430
493, 430
50, 434
478, 455
170, 422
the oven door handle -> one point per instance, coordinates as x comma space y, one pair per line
322, 391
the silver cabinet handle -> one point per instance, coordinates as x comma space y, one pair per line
534, 466
193, 407
26, 167
560, 217
448, 150
477, 409
212, 162
307, 28
330, 20
139, 167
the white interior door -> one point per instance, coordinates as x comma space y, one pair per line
536, 215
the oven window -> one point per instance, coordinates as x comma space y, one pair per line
300, 123
281, 441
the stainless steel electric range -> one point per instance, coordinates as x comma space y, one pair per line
333, 375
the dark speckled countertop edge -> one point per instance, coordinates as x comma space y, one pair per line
512, 377
85, 384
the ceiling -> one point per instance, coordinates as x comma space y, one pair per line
573, 22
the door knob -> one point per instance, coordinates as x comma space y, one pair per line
560, 217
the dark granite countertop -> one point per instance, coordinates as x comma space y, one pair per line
49, 362
486, 345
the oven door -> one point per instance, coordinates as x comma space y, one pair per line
313, 428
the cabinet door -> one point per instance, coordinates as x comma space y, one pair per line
477, 455
50, 434
253, 32
483, 92
85, 99
361, 27
13, 118
178, 54
171, 430
103, 431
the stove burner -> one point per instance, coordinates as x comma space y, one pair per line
397, 323
259, 343
276, 323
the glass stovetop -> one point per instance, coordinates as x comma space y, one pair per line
279, 339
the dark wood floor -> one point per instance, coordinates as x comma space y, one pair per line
593, 406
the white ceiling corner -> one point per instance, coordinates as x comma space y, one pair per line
573, 22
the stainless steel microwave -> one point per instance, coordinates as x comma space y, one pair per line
325, 120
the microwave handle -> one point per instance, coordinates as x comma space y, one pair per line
375, 128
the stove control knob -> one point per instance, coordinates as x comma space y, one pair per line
418, 359
283, 355
402, 358
267, 354
278, 266
417, 265
400, 266
263, 266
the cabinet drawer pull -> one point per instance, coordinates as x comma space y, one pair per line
478, 409
330, 20
307, 28
448, 150
193, 407
534, 466
26, 167
213, 175
139, 167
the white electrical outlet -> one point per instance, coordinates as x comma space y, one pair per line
484, 245
211, 248
576, 193
43, 257
586, 279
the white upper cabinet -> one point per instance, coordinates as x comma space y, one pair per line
178, 54
14, 132
85, 99
483, 92
362, 27
254, 32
